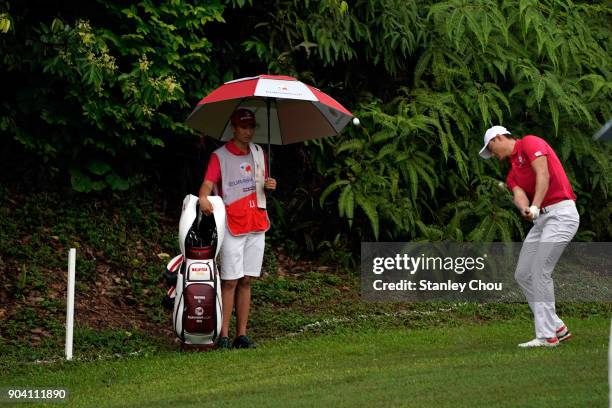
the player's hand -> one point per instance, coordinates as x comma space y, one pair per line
206, 206
535, 212
270, 183
526, 214
531, 213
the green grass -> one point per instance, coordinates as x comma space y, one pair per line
119, 239
464, 366
320, 344
120, 235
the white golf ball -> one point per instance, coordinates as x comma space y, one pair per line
356, 121
501, 184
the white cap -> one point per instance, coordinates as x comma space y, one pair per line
490, 134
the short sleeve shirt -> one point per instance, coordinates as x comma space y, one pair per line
522, 174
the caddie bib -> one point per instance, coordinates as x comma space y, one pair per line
239, 194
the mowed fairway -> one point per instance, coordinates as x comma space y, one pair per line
470, 366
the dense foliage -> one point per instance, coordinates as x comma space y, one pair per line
94, 92
428, 78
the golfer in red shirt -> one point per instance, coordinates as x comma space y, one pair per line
544, 196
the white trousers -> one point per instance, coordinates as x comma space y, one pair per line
543, 246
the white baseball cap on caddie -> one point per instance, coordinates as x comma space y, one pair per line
490, 134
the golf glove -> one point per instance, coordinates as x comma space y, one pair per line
535, 211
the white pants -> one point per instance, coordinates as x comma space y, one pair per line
242, 255
543, 246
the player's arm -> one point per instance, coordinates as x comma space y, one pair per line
540, 167
519, 198
521, 201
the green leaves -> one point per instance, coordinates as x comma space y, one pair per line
369, 208
535, 67
352, 146
127, 85
426, 78
346, 204
330, 189
98, 167
98, 177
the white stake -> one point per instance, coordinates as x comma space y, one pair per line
70, 302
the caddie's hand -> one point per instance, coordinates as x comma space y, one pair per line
206, 206
270, 183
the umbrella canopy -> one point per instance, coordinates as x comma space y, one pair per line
295, 111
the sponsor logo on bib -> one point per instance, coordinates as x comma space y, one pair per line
246, 169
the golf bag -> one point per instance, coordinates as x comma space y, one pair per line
169, 279
197, 312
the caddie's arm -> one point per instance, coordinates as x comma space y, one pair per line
540, 167
205, 190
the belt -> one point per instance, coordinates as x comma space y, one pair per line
560, 204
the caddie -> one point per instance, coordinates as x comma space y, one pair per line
237, 172
543, 194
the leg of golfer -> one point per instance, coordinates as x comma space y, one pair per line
541, 250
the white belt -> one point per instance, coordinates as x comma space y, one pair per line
560, 204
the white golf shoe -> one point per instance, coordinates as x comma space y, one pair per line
554, 342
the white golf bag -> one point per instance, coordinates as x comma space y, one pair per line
197, 315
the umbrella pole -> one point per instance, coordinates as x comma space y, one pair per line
268, 102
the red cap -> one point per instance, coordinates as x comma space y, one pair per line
243, 117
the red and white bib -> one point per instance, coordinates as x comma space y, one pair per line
238, 190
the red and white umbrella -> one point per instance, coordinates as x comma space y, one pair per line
286, 110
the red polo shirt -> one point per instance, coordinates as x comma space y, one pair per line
522, 174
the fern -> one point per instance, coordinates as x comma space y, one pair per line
350, 145
346, 204
330, 189
369, 209
431, 78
